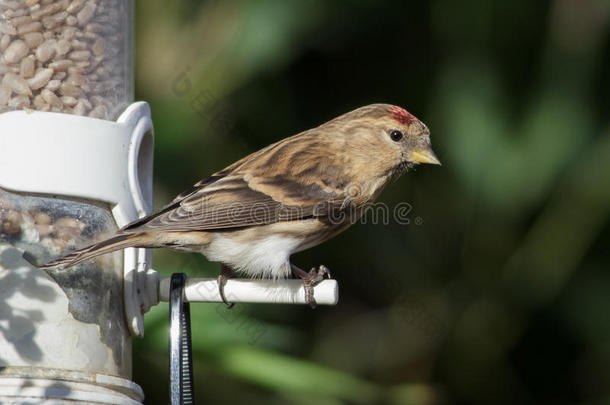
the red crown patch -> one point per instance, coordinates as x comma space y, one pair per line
401, 115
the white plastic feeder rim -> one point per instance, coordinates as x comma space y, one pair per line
90, 159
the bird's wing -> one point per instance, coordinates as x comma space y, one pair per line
237, 200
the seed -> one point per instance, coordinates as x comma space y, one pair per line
16, 51
27, 66
80, 55
24, 19
93, 27
67, 222
33, 39
88, 104
98, 46
80, 108
19, 102
31, 27
79, 45
86, 13
13, 5
68, 33
61, 65
17, 84
46, 10
63, 47
44, 230
5, 69
5, 95
7, 28
49, 23
75, 79
5, 41
40, 103
99, 112
69, 101
42, 218
67, 89
40, 79
75, 6
53, 85
12, 223
60, 17
46, 51
18, 13
96, 100
51, 98
76, 69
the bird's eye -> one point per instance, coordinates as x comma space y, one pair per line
396, 135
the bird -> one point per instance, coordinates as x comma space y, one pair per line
287, 197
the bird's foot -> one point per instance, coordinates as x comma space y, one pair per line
225, 274
310, 279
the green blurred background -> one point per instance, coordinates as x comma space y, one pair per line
496, 292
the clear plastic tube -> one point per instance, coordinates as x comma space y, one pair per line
46, 307
69, 56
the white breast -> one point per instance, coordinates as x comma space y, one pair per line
266, 257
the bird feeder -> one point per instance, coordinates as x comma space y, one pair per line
75, 166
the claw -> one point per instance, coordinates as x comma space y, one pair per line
325, 271
225, 274
310, 279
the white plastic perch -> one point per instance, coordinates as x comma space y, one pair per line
326, 292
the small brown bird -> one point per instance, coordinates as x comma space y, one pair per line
287, 197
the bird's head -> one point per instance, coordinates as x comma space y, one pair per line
387, 137
408, 135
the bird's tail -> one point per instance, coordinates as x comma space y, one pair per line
112, 244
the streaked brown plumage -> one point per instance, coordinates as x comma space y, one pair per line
287, 197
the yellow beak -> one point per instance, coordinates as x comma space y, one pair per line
424, 156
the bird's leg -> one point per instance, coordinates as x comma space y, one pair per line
310, 279
225, 273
